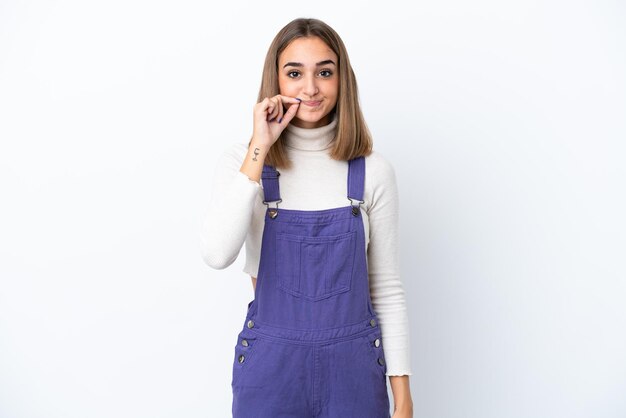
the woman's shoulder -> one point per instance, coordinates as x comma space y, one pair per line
379, 169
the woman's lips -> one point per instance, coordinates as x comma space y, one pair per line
311, 103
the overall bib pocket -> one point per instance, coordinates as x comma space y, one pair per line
317, 267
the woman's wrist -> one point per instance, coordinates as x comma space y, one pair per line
404, 407
401, 393
253, 162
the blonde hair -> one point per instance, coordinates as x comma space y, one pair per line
352, 138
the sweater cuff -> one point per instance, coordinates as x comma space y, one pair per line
245, 181
398, 359
398, 362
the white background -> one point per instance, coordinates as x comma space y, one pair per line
505, 122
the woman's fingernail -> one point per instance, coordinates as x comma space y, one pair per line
298, 99
280, 120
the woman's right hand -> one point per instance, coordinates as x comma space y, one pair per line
270, 119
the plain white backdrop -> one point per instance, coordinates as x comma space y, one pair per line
505, 122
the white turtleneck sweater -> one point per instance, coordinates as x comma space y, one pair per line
314, 182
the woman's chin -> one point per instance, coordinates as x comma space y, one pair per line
308, 118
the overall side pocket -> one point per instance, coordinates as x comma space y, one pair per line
374, 342
244, 356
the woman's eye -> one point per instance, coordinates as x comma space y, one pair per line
329, 73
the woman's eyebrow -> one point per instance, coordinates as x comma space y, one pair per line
299, 64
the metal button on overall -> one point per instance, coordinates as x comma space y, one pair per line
315, 348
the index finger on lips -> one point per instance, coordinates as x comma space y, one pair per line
288, 99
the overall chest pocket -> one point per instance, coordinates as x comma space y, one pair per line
315, 268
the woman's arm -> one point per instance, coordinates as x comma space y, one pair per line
386, 289
236, 183
402, 401
228, 216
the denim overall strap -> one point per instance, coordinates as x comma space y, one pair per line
356, 182
269, 177
271, 189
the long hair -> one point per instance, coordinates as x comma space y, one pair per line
352, 137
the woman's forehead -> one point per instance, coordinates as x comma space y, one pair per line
308, 52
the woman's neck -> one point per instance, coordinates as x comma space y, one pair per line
310, 139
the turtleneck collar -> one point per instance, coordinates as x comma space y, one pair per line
313, 139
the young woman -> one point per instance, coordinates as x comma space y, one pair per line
318, 211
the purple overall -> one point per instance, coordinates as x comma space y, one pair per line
311, 345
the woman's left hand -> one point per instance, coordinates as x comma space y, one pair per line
406, 412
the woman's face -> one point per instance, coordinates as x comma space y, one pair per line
307, 69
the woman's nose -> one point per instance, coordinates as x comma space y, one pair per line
310, 87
